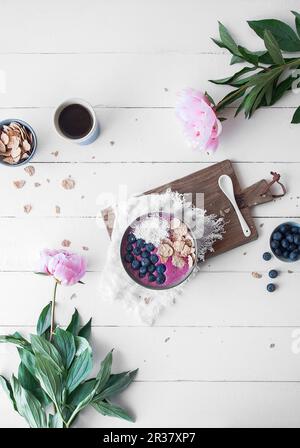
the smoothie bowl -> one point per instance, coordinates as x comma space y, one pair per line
158, 251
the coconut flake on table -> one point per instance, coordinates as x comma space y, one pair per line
152, 230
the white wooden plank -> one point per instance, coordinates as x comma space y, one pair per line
22, 239
188, 405
209, 300
99, 184
155, 135
190, 354
138, 81
134, 25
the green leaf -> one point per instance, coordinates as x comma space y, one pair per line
79, 370
16, 339
285, 36
28, 406
81, 345
50, 378
55, 421
85, 331
296, 116
104, 372
227, 40
44, 321
116, 384
73, 326
236, 60
230, 79
281, 88
273, 48
30, 383
46, 349
297, 21
229, 98
8, 389
81, 392
28, 359
248, 56
111, 410
65, 344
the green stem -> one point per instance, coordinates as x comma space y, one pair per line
53, 311
275, 71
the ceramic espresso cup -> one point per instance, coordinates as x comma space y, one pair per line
76, 121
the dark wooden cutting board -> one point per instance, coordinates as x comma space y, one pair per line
215, 202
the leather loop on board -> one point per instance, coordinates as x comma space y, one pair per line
276, 179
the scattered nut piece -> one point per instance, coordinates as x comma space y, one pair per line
19, 183
29, 170
177, 261
54, 153
37, 184
66, 243
68, 184
256, 275
27, 208
165, 250
85, 248
57, 209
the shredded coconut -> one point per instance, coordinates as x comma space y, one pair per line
152, 229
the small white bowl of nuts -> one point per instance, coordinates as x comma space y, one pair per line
18, 142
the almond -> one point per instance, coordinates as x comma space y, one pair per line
2, 147
4, 138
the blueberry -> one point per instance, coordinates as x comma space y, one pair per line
278, 252
284, 243
143, 270
141, 274
292, 247
284, 228
274, 244
131, 238
129, 247
161, 278
145, 261
294, 255
290, 237
140, 243
129, 258
151, 268
271, 287
151, 278
286, 254
294, 229
161, 268
297, 239
137, 250
150, 247
273, 273
135, 265
145, 254
277, 236
154, 258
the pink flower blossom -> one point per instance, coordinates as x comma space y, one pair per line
67, 268
200, 123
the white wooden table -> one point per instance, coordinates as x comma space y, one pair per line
222, 356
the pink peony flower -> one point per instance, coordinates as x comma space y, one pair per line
67, 268
200, 123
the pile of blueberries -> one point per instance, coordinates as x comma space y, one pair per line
142, 258
285, 242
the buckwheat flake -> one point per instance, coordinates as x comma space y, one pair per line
30, 170
68, 184
55, 153
19, 183
57, 209
85, 248
27, 208
66, 243
37, 184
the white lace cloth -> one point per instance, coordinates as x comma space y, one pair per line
115, 283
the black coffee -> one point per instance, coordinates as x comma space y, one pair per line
75, 121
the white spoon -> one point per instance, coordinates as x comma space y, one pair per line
226, 185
